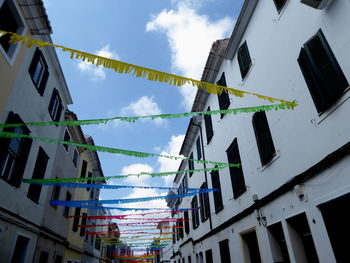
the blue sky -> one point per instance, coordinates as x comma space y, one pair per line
174, 36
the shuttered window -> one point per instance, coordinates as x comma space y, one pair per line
199, 150
323, 75
55, 106
187, 223
39, 71
244, 59
195, 214
208, 126
237, 178
204, 203
76, 219
263, 137
215, 179
279, 4
66, 208
38, 173
225, 251
14, 152
191, 164
83, 169
83, 222
224, 99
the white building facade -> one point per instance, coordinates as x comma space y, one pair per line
289, 200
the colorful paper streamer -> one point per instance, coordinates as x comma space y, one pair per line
140, 72
130, 209
127, 200
108, 149
79, 179
133, 119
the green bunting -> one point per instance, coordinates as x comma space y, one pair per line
159, 116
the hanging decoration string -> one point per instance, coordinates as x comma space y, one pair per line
140, 72
132, 209
282, 106
110, 150
128, 200
74, 179
103, 186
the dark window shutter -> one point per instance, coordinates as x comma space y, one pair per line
215, 179
52, 101
83, 222
187, 223
321, 70
225, 251
224, 99
181, 224
59, 112
43, 82
237, 178
34, 62
191, 164
83, 169
38, 173
208, 126
199, 150
21, 162
76, 219
263, 137
4, 142
244, 59
279, 4
66, 208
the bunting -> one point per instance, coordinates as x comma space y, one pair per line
141, 72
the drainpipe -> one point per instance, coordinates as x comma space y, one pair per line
205, 166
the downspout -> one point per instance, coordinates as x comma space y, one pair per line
205, 166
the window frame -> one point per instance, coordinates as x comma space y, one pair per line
195, 214
263, 137
204, 203
217, 195
244, 69
320, 90
40, 83
66, 138
236, 173
209, 131
223, 97
191, 164
55, 106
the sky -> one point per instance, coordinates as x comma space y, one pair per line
173, 36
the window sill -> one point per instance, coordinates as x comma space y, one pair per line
322, 116
279, 13
273, 159
248, 73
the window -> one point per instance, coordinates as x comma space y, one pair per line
323, 75
38, 173
251, 247
191, 164
208, 126
67, 139
189, 259
39, 72
215, 180
181, 230
66, 208
195, 215
76, 219
279, 4
83, 222
187, 223
263, 137
185, 183
83, 169
237, 178
208, 256
44, 257
75, 157
55, 193
89, 182
278, 243
204, 204
14, 152
98, 243
225, 251
174, 237
11, 22
301, 238
224, 99
199, 150
20, 250
244, 59
55, 107
58, 259
337, 225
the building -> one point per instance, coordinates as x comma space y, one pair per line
33, 89
288, 200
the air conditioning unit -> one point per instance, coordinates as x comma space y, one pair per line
318, 4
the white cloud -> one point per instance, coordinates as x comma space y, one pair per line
166, 165
144, 106
136, 169
97, 73
190, 36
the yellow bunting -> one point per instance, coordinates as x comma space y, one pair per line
141, 72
